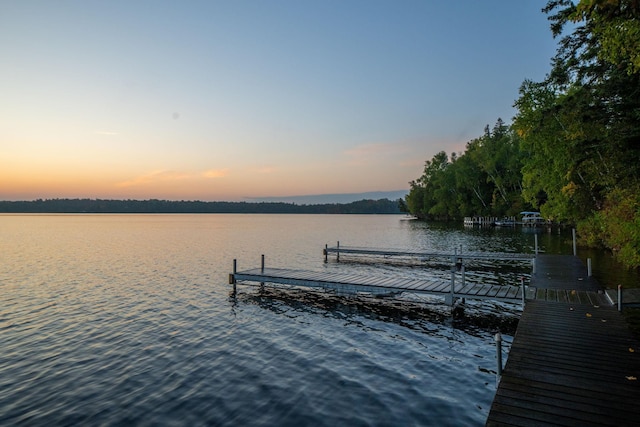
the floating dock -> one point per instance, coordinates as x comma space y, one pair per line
380, 285
392, 286
446, 255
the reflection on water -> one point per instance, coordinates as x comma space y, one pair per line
126, 319
426, 314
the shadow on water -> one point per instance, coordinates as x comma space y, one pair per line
425, 315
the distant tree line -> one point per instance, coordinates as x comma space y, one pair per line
573, 149
382, 206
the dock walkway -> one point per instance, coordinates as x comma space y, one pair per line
378, 285
447, 255
572, 362
452, 289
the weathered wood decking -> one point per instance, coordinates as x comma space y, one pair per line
446, 255
350, 283
572, 362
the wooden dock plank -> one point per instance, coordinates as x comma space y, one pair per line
514, 292
503, 292
465, 289
413, 285
573, 298
484, 290
531, 292
562, 272
562, 295
477, 287
430, 285
403, 283
533, 389
494, 291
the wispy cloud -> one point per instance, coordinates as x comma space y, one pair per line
215, 173
373, 153
153, 177
266, 170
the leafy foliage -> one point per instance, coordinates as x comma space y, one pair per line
615, 23
617, 226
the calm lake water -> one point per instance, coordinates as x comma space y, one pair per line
128, 320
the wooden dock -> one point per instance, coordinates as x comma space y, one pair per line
378, 285
451, 289
445, 255
573, 362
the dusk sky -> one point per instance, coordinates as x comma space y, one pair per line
227, 100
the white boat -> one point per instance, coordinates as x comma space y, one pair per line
532, 219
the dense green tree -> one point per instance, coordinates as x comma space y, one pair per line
616, 24
550, 156
484, 180
499, 158
422, 200
474, 189
580, 127
599, 97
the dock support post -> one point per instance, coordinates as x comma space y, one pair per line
326, 247
533, 266
535, 237
262, 271
524, 294
338, 252
498, 339
575, 251
589, 267
463, 278
450, 299
620, 298
233, 276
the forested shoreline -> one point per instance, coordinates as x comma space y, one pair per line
382, 206
573, 149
